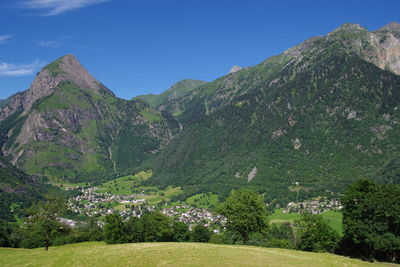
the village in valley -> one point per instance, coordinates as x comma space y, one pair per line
127, 197
94, 202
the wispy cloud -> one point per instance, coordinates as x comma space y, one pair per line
57, 7
52, 44
11, 69
4, 38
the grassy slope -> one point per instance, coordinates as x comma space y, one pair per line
131, 184
334, 218
170, 254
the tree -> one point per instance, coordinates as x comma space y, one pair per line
156, 228
371, 221
181, 231
281, 236
314, 234
245, 212
133, 230
114, 229
5, 233
43, 224
201, 234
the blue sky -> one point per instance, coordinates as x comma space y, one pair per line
136, 47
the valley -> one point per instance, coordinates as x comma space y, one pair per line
129, 197
298, 152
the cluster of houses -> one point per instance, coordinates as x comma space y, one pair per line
192, 216
313, 206
91, 203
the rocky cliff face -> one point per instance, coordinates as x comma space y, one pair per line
386, 42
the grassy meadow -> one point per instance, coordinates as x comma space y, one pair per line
171, 254
334, 218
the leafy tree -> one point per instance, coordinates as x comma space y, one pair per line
114, 229
201, 234
371, 221
314, 234
245, 212
155, 227
43, 225
87, 230
133, 230
181, 231
281, 236
5, 233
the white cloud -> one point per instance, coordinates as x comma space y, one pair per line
11, 69
4, 38
57, 7
52, 44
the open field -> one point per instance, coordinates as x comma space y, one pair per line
125, 185
334, 218
171, 254
203, 200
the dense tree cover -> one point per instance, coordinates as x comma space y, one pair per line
371, 221
151, 227
18, 191
314, 234
245, 212
281, 236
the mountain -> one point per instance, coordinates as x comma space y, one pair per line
69, 126
300, 124
234, 69
177, 90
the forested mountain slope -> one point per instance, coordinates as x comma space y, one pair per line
315, 118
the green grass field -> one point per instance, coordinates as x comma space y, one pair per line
171, 254
132, 184
203, 200
334, 218
125, 185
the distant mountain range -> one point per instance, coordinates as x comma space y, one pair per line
176, 91
300, 124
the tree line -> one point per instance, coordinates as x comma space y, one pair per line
371, 224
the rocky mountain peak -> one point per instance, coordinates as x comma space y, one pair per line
234, 69
393, 26
349, 27
66, 68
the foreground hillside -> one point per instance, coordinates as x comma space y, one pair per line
170, 254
